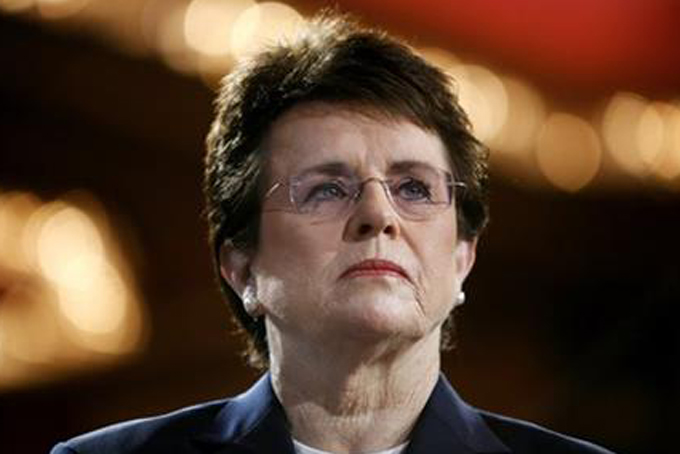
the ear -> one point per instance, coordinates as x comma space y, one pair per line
464, 256
234, 267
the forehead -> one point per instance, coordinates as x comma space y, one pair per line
365, 139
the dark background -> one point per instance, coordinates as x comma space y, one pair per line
570, 320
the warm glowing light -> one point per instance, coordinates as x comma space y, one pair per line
621, 131
649, 135
672, 168
66, 237
92, 294
58, 9
491, 105
568, 151
208, 24
67, 294
442, 58
99, 301
23, 295
643, 136
261, 24
483, 96
15, 209
525, 116
211, 70
659, 139
171, 41
27, 327
15, 6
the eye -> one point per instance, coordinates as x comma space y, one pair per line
328, 191
413, 190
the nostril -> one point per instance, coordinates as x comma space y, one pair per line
365, 229
389, 229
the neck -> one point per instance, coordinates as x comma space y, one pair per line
349, 399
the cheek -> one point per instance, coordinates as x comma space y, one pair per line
286, 242
438, 257
442, 267
292, 258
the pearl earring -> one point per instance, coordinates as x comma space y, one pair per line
250, 302
460, 299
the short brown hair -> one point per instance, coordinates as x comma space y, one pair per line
334, 60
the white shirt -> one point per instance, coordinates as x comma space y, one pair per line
301, 448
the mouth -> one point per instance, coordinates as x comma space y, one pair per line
375, 267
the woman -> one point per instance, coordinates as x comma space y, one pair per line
345, 196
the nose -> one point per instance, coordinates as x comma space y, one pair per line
372, 214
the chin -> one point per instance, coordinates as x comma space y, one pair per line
383, 318
375, 309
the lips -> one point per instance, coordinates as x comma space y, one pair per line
375, 267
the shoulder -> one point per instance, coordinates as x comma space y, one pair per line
163, 433
528, 438
449, 423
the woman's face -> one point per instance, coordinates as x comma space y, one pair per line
302, 268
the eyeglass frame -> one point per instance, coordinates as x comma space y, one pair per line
384, 182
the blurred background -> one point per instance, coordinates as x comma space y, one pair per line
108, 305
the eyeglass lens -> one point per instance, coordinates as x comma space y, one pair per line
417, 194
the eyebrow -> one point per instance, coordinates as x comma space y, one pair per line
334, 168
401, 166
339, 168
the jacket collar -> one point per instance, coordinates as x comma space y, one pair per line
255, 422
448, 424
252, 422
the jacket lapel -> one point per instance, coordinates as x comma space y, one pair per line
449, 425
253, 422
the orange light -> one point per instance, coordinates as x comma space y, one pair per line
524, 119
172, 43
67, 292
659, 139
568, 151
440, 57
68, 236
483, 97
208, 24
16, 6
621, 132
261, 24
15, 209
59, 9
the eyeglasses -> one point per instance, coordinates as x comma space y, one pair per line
416, 193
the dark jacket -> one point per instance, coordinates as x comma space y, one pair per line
254, 422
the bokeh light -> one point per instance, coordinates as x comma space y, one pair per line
482, 95
658, 135
66, 291
16, 6
67, 236
208, 24
620, 131
87, 276
440, 57
171, 40
670, 168
526, 112
261, 24
36, 340
568, 151
649, 135
15, 209
58, 9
